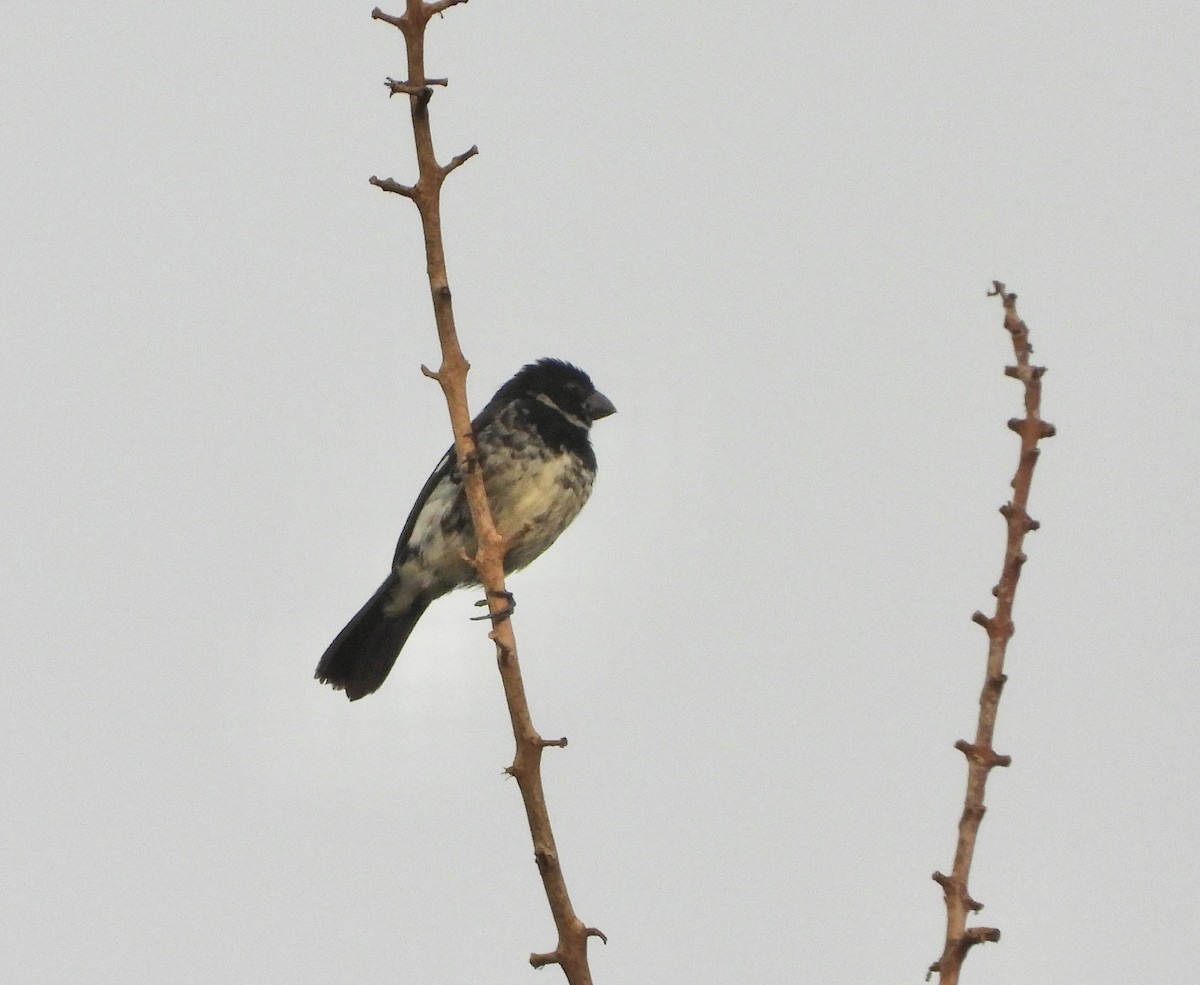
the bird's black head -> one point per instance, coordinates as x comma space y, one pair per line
560, 387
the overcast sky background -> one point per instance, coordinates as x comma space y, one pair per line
767, 232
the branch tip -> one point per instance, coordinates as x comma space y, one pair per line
459, 159
981, 935
559, 743
436, 377
593, 932
440, 5
984, 756
393, 186
379, 15
541, 960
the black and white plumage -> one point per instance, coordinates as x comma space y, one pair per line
538, 468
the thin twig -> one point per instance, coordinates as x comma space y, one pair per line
981, 757
391, 185
571, 950
396, 86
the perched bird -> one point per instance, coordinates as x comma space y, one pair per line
538, 468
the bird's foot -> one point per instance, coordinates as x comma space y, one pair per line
510, 607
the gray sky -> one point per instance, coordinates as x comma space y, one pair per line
767, 233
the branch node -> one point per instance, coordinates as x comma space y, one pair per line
440, 5
1012, 512
504, 652
398, 86
541, 960
379, 15
545, 859
980, 935
982, 755
391, 185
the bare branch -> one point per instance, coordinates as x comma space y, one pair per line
571, 951
981, 757
458, 159
396, 86
391, 185
440, 5
399, 22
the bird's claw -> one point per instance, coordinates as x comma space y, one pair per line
509, 607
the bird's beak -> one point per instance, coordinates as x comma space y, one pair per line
598, 406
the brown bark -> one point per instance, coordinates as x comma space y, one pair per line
570, 952
980, 755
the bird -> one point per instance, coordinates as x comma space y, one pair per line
533, 441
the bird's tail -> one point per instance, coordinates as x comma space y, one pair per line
361, 657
